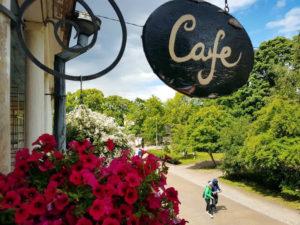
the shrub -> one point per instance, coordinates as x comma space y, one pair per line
80, 188
84, 123
269, 153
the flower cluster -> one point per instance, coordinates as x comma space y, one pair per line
81, 188
84, 123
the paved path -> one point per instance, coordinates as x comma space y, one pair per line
235, 207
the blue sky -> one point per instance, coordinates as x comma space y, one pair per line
133, 77
266, 19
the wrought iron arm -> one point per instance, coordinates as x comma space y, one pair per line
17, 19
8, 13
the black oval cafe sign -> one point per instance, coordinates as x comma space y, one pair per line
197, 48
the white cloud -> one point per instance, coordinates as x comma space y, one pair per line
289, 25
161, 91
132, 77
130, 90
280, 3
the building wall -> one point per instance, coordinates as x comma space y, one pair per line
5, 159
17, 93
29, 92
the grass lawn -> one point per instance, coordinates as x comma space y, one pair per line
200, 157
190, 159
269, 194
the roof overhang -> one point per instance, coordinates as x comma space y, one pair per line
41, 10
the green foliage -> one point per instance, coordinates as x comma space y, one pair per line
204, 128
178, 110
177, 158
6, 217
92, 98
201, 133
248, 99
296, 47
262, 142
288, 86
116, 107
272, 61
277, 51
113, 106
153, 124
180, 139
136, 117
145, 119
280, 118
270, 153
232, 139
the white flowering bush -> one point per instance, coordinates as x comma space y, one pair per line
84, 123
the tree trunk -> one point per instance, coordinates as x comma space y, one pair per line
212, 159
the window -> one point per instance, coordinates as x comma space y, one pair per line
17, 92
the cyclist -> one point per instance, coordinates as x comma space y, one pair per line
215, 190
207, 195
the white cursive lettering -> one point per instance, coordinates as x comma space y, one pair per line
212, 55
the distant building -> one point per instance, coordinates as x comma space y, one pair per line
26, 103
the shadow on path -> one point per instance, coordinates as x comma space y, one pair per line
204, 165
221, 207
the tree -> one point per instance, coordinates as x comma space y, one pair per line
136, 117
204, 129
177, 113
232, 139
296, 47
92, 98
248, 99
116, 107
277, 51
178, 110
271, 150
288, 86
180, 139
153, 125
271, 54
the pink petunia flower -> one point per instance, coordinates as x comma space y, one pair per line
61, 201
131, 195
99, 208
110, 145
38, 206
110, 221
11, 200
22, 214
84, 221
133, 179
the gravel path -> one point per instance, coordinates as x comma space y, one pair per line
235, 207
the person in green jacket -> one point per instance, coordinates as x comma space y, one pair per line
207, 195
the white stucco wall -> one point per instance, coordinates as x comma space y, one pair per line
5, 159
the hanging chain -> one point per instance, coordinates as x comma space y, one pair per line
226, 9
81, 95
